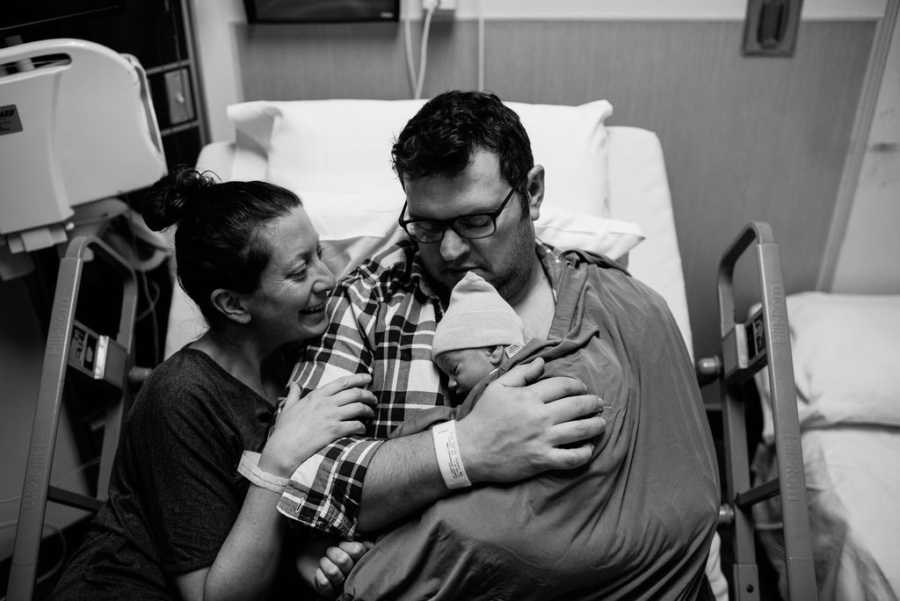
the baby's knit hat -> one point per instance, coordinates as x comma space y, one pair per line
477, 316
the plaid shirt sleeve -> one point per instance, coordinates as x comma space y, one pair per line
382, 324
324, 493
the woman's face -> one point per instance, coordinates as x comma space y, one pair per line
289, 304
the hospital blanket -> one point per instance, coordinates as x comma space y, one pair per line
635, 523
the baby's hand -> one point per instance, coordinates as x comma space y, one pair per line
335, 566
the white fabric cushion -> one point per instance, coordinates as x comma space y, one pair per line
846, 358
350, 237
335, 154
313, 145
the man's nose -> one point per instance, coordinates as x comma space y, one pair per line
452, 384
453, 246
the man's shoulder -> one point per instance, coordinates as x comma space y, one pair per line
386, 273
586, 259
611, 276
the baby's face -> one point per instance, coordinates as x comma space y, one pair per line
465, 367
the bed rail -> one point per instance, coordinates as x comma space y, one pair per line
763, 341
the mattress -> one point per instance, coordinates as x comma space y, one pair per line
853, 487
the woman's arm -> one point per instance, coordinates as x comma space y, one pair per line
247, 562
246, 565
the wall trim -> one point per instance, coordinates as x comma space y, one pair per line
859, 139
644, 10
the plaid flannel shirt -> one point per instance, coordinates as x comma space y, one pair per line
382, 319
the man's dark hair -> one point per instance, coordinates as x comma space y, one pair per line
441, 138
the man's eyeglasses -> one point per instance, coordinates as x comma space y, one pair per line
471, 227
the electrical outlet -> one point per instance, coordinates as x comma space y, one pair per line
770, 28
442, 8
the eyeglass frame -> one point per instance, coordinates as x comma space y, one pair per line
449, 223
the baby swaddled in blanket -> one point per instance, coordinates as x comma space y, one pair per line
634, 523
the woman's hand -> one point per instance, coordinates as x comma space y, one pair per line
327, 576
307, 424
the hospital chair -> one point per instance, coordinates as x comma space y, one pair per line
56, 161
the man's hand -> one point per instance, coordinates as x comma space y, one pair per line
522, 426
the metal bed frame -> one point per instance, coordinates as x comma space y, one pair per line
747, 347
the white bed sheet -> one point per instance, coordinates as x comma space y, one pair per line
638, 191
853, 488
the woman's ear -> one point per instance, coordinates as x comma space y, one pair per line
535, 190
496, 355
230, 304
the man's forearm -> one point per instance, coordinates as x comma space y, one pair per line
402, 478
517, 430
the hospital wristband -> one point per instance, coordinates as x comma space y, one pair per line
449, 457
249, 469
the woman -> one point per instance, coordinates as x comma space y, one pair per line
180, 520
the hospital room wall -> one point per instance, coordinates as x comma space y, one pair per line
744, 138
869, 258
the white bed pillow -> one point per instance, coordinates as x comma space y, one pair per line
846, 357
348, 237
313, 145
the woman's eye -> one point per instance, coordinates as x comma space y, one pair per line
319, 251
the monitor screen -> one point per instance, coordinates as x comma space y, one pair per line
321, 11
25, 13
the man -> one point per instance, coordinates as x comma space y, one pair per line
473, 193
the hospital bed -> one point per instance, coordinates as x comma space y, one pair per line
606, 190
335, 154
846, 357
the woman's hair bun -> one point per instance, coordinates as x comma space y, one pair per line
174, 195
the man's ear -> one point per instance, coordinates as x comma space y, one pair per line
535, 189
496, 355
230, 304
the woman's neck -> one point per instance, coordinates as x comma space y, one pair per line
237, 355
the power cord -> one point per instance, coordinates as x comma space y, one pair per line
417, 82
151, 294
410, 66
423, 48
481, 45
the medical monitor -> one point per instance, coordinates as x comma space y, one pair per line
26, 13
321, 11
